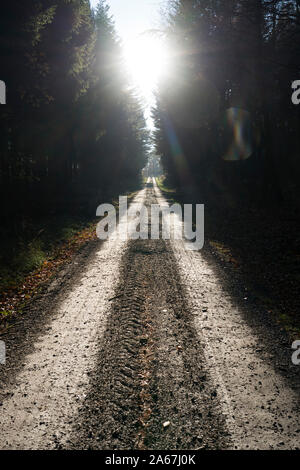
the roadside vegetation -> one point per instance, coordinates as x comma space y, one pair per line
28, 264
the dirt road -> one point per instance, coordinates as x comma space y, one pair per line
142, 344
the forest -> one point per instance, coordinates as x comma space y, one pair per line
143, 330
227, 133
72, 129
72, 133
227, 123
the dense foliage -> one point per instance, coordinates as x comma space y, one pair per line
225, 119
71, 129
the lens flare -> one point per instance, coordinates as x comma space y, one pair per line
178, 156
239, 130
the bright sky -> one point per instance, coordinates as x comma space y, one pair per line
133, 16
144, 54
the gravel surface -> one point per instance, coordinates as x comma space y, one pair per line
143, 344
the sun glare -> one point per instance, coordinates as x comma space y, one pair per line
146, 61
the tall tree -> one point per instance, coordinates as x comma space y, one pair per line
242, 55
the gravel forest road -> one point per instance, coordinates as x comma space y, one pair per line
143, 344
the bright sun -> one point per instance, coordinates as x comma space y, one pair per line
146, 60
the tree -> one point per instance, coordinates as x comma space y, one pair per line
71, 128
234, 59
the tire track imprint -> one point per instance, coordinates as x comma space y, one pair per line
151, 368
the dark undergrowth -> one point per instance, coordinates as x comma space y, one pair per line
33, 254
22, 253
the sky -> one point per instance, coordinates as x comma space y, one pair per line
133, 17
144, 59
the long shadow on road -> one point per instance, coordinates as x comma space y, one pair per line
150, 389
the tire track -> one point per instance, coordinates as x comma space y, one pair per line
47, 380
151, 369
249, 360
